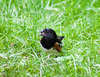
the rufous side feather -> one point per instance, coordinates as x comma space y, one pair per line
56, 46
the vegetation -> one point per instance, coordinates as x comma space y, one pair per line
20, 52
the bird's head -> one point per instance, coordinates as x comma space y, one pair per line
48, 33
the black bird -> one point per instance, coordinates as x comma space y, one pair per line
50, 42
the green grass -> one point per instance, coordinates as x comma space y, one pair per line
77, 20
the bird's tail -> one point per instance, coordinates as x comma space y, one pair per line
59, 39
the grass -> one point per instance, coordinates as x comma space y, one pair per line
77, 20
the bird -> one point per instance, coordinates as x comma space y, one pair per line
50, 42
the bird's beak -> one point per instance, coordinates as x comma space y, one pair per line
42, 33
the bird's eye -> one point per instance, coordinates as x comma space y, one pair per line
46, 31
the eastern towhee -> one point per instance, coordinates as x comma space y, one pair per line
50, 42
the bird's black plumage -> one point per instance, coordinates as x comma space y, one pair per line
49, 38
